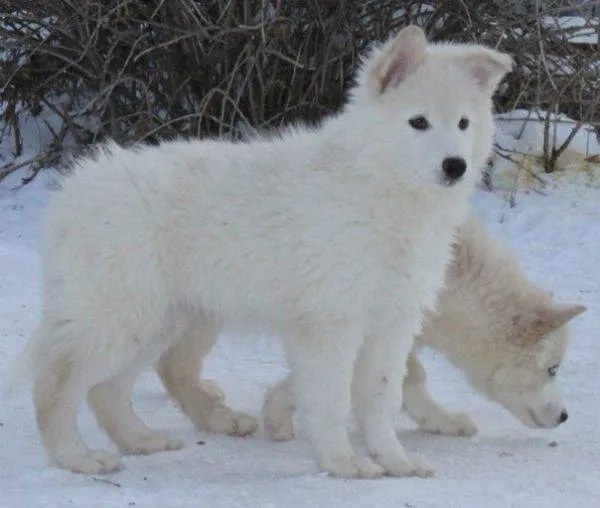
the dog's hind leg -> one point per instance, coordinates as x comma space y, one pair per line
202, 401
425, 411
63, 377
111, 404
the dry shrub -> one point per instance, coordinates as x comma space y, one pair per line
138, 70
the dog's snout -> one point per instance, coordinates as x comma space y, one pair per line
454, 168
564, 416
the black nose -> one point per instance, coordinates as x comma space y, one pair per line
564, 416
454, 168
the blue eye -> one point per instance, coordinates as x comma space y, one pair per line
553, 370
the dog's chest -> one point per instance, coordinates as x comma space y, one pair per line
413, 267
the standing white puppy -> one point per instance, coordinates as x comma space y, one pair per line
335, 238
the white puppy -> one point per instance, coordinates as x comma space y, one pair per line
335, 238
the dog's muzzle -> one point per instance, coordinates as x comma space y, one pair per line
562, 418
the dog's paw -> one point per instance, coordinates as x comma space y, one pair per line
145, 444
280, 430
343, 466
452, 424
278, 417
233, 423
213, 389
400, 467
423, 468
91, 462
278, 423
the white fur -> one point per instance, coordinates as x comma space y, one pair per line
336, 238
491, 322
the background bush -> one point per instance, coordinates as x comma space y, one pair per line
138, 70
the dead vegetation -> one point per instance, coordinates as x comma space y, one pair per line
146, 70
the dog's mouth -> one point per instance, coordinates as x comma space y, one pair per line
536, 421
450, 182
533, 418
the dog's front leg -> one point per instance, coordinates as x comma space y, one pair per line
380, 371
424, 410
322, 365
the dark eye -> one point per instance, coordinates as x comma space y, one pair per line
419, 122
463, 124
553, 370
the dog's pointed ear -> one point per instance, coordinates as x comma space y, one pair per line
530, 328
488, 67
397, 59
559, 314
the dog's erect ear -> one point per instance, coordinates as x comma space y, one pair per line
535, 326
488, 67
559, 314
397, 59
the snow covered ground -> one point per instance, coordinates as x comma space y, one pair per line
557, 238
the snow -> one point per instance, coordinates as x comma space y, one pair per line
576, 29
557, 238
518, 160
